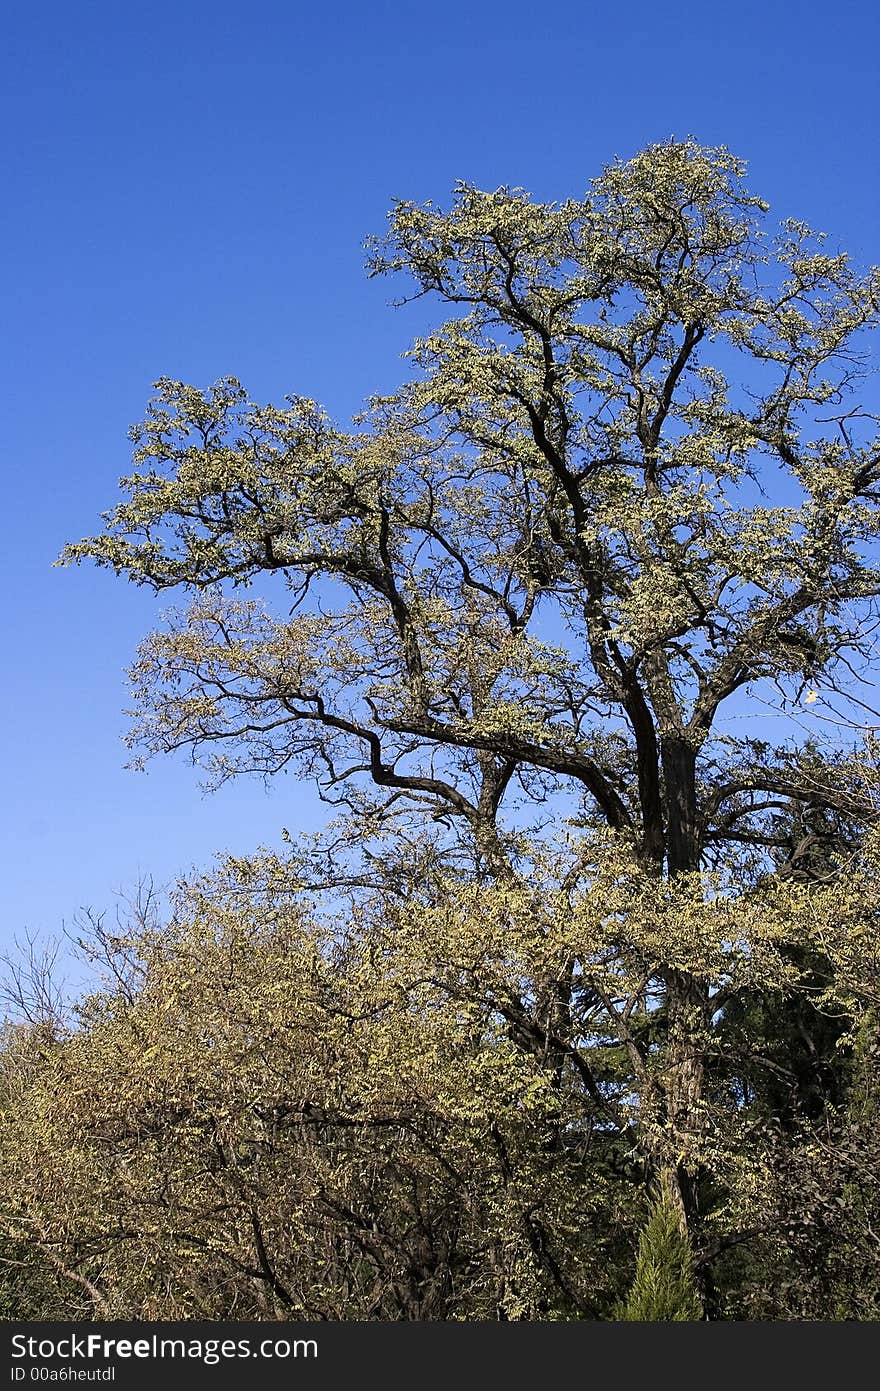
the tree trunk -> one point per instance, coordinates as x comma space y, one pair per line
679, 760
688, 1008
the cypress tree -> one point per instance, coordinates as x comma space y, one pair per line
663, 1289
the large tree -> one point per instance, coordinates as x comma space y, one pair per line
523, 611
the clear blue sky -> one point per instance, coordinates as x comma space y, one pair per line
187, 186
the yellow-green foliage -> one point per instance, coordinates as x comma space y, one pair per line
285, 1121
521, 608
396, 1112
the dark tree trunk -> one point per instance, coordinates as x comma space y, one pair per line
688, 1008
679, 760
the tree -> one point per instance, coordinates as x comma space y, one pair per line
270, 1111
663, 1289
630, 490
286, 1119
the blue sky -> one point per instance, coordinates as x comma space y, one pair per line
187, 187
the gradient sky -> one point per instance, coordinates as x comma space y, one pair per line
187, 187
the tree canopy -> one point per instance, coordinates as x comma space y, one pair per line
631, 476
